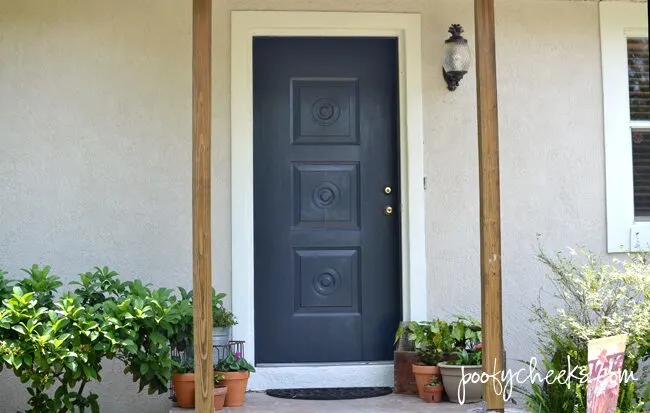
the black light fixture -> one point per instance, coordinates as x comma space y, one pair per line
456, 57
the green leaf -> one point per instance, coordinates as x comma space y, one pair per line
89, 372
72, 365
94, 406
158, 338
61, 391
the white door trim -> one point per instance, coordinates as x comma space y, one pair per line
406, 28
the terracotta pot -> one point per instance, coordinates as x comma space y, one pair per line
219, 394
452, 379
423, 375
236, 381
433, 393
184, 389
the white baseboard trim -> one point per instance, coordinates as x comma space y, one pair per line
296, 376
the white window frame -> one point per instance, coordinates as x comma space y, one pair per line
618, 22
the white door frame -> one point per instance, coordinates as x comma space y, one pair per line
406, 28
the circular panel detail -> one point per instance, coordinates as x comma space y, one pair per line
327, 282
326, 195
325, 111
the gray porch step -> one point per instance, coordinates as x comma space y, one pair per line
257, 402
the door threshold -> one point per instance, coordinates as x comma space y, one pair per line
325, 364
314, 375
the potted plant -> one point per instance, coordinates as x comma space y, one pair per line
236, 371
219, 392
434, 390
222, 320
466, 333
183, 382
432, 340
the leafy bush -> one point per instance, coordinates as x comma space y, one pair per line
432, 340
597, 300
59, 343
41, 283
437, 339
184, 366
466, 333
5, 285
217, 378
221, 317
468, 357
234, 362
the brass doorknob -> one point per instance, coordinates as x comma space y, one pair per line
388, 210
388, 190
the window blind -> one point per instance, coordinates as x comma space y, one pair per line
639, 78
641, 171
639, 84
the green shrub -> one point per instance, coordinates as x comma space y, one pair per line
466, 333
221, 317
234, 362
57, 341
437, 339
184, 365
597, 299
5, 286
432, 340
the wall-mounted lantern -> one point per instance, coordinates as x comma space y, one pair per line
456, 57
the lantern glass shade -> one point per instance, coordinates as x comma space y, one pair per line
456, 57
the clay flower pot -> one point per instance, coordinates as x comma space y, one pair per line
184, 389
423, 375
433, 393
236, 382
219, 394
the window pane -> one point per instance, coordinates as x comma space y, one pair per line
641, 170
639, 79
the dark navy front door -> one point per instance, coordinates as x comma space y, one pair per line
326, 151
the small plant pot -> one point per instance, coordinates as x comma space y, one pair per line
184, 389
452, 379
423, 375
219, 395
433, 393
236, 382
220, 338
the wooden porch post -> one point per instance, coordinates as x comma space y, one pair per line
490, 208
201, 224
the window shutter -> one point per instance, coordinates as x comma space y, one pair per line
639, 78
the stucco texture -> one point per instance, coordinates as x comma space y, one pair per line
95, 148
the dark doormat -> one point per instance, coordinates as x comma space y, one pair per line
334, 393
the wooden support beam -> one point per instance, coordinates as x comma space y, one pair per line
490, 206
201, 221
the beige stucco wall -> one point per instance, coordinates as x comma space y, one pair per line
95, 147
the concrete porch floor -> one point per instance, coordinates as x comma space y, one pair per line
261, 403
